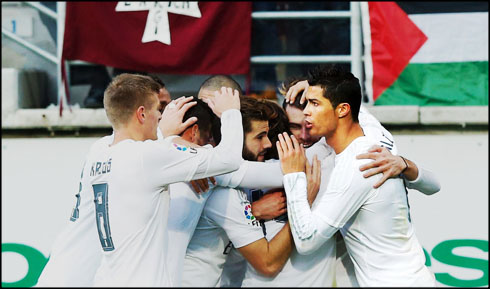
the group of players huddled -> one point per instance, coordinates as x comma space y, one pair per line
225, 190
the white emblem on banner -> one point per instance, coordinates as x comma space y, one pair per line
157, 27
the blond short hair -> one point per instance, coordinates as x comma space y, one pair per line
125, 94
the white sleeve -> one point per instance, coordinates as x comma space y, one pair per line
306, 228
230, 209
258, 175
426, 182
268, 174
173, 163
345, 194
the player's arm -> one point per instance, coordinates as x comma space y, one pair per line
268, 258
265, 175
225, 207
259, 175
346, 192
293, 164
176, 162
271, 205
393, 166
309, 230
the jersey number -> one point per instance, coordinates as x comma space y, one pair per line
102, 216
75, 213
388, 143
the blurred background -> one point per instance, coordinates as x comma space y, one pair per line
423, 68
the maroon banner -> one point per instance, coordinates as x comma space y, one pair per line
161, 37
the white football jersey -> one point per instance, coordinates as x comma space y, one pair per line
321, 269
233, 269
375, 223
132, 220
226, 219
185, 209
124, 199
76, 252
372, 128
314, 270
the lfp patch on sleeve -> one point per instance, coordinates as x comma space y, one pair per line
185, 148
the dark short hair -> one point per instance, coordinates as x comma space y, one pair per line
338, 86
157, 79
215, 83
206, 119
285, 86
278, 123
253, 109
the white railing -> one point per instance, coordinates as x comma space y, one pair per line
59, 16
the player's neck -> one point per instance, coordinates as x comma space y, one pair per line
344, 135
124, 134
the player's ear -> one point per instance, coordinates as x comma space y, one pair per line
195, 129
140, 114
343, 109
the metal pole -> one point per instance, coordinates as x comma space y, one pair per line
270, 59
300, 14
60, 23
356, 41
32, 47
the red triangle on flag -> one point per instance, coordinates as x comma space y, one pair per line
395, 40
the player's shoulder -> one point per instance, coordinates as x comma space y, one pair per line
366, 118
347, 159
219, 191
361, 145
346, 170
321, 149
100, 145
103, 141
224, 197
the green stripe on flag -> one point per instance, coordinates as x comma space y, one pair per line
439, 84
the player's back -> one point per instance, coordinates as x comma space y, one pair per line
132, 210
78, 241
226, 217
184, 213
380, 237
206, 252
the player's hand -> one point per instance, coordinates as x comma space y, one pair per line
313, 175
291, 154
271, 205
171, 122
202, 185
223, 100
383, 162
293, 91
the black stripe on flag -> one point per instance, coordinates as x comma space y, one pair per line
442, 7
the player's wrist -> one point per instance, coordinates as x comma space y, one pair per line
406, 165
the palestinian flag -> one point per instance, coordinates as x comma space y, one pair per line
426, 53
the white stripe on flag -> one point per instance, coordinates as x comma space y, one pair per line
452, 37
